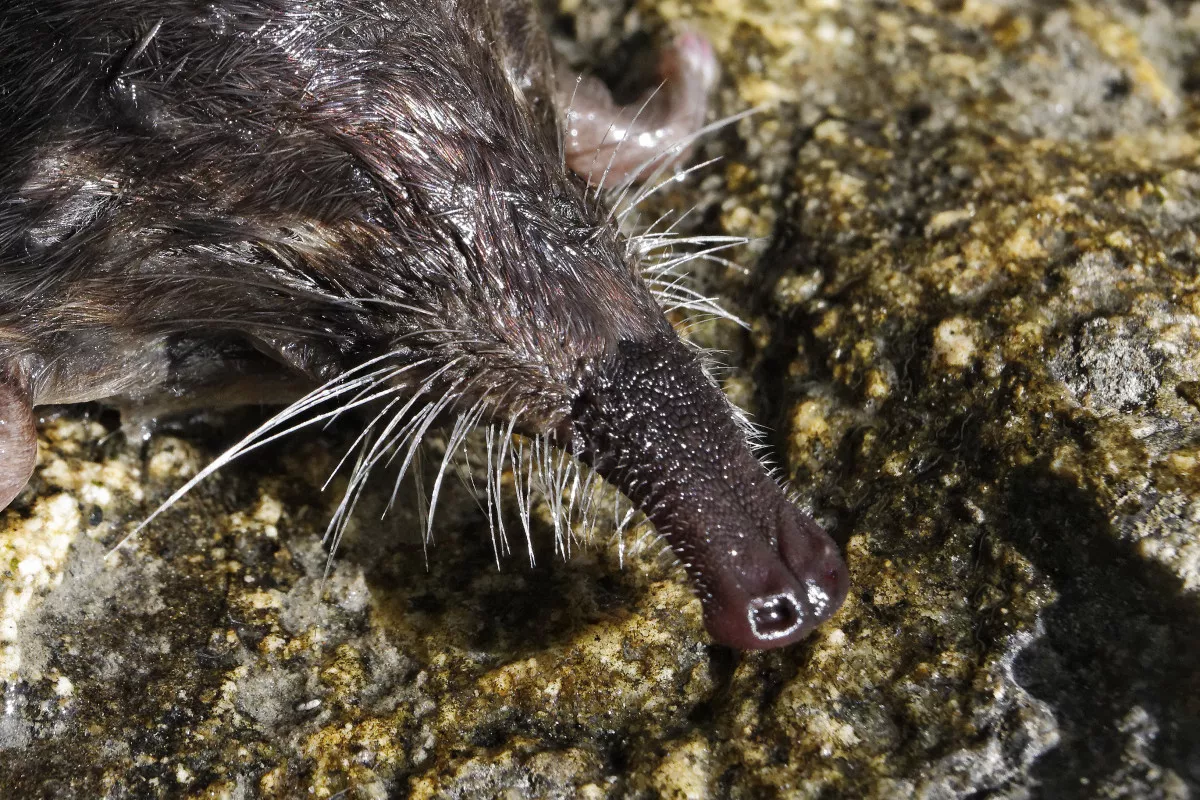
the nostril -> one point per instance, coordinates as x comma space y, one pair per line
835, 583
774, 616
833, 577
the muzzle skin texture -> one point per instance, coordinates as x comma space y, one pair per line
653, 423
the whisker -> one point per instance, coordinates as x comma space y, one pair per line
678, 147
617, 150
678, 176
562, 139
465, 422
349, 381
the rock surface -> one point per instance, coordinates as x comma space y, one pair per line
975, 306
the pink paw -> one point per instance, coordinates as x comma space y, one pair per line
613, 145
18, 441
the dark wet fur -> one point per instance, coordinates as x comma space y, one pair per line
306, 186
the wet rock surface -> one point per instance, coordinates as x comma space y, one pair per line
975, 306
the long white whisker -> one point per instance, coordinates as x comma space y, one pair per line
367, 430
555, 475
665, 239
644, 196
518, 480
353, 402
678, 147
492, 491
670, 263
384, 442
418, 469
341, 518
562, 139
617, 150
429, 414
349, 380
507, 452
397, 438
464, 424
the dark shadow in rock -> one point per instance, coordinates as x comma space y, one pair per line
1122, 635
455, 595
